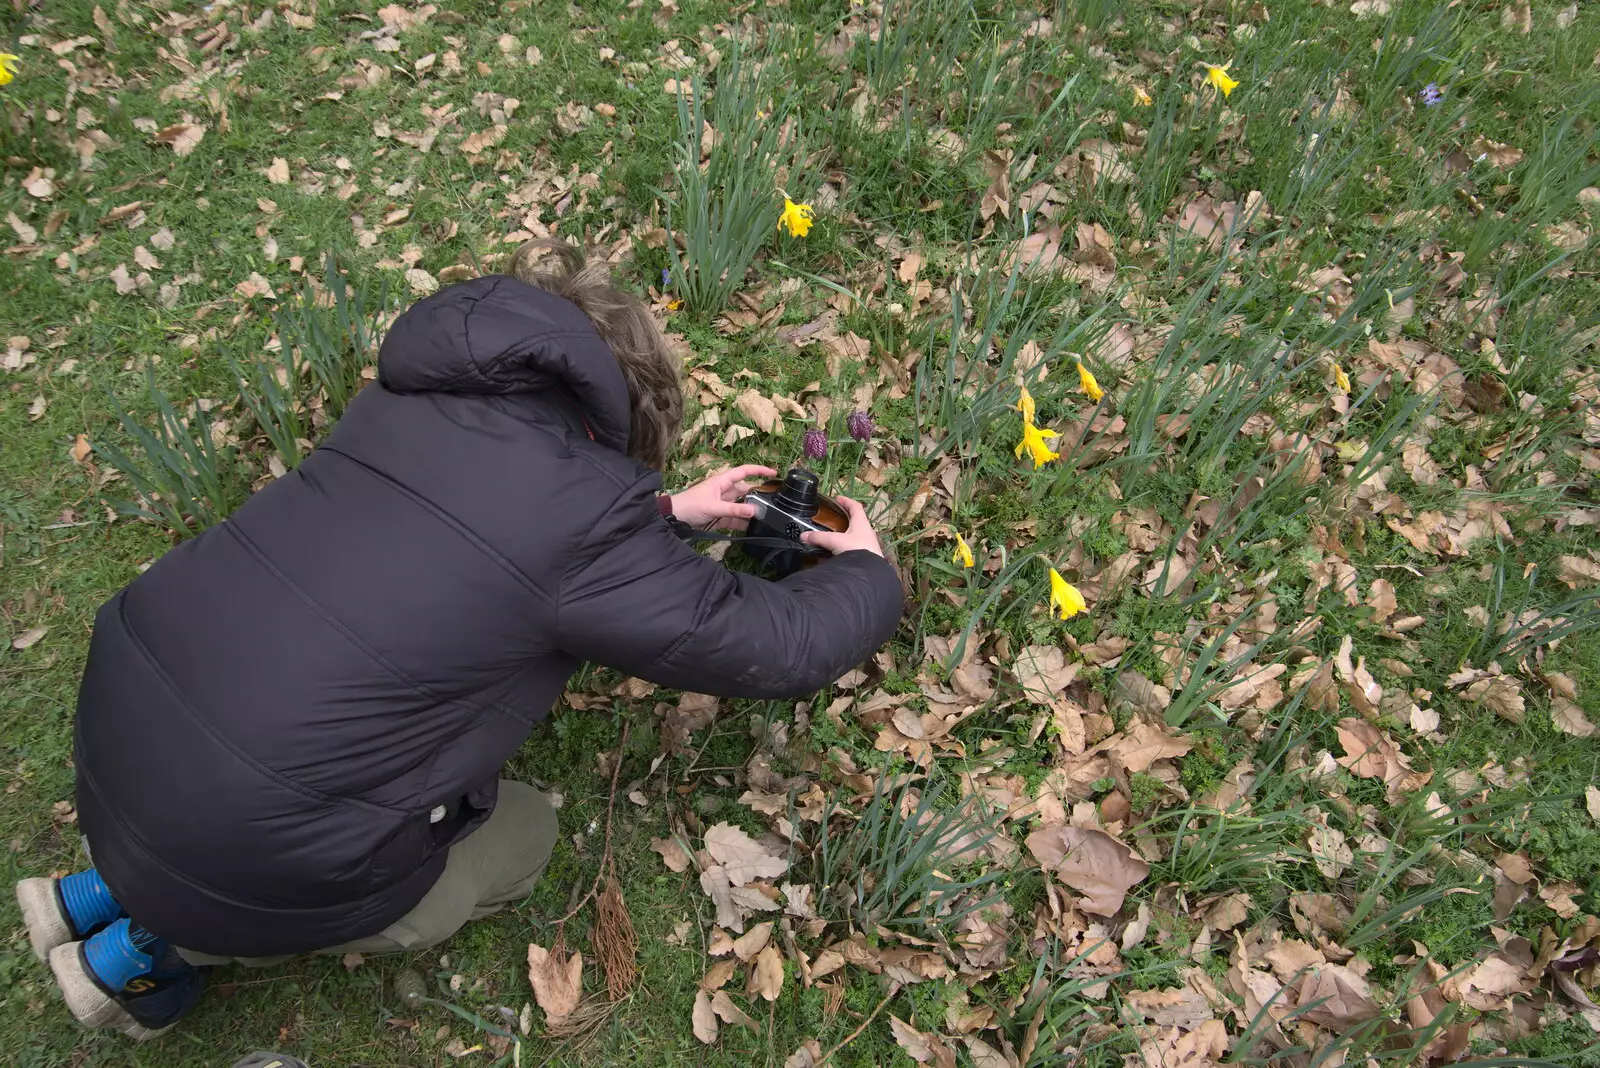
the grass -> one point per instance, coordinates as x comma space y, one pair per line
1348, 216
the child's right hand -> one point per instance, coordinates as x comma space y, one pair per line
859, 535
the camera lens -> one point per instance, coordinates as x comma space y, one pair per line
799, 494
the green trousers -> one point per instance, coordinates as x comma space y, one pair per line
485, 871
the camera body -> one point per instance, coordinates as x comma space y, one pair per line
784, 511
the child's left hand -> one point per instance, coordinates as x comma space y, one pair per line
715, 501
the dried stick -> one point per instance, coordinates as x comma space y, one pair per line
853, 1035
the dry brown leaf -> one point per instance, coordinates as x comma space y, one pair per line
1145, 743
1091, 862
809, 1055
1336, 997
723, 1006
183, 137
1516, 867
1182, 1007
1042, 671
1380, 596
742, 857
714, 881
1289, 958
672, 853
1139, 694
767, 982
29, 638
705, 1020
1569, 718
1578, 571
1489, 985
759, 410
557, 983
908, 1038
1500, 694
753, 941
1591, 800
277, 171
1329, 851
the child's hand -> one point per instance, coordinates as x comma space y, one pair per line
859, 535
715, 501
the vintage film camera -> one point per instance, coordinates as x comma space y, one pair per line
784, 511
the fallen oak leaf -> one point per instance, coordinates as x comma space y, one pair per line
672, 853
767, 982
908, 1038
182, 137
1091, 862
1568, 718
1336, 997
723, 1006
753, 941
704, 1018
759, 410
557, 983
1042, 671
743, 858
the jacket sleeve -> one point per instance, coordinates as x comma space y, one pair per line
639, 600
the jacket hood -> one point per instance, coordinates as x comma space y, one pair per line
496, 335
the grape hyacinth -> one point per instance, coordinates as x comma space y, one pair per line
860, 426
1432, 94
666, 278
814, 445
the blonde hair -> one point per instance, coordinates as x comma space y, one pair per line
624, 323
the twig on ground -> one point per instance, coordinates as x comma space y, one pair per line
853, 1035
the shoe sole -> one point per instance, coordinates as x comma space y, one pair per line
48, 926
90, 1004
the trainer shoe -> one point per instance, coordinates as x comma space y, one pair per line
70, 909
127, 979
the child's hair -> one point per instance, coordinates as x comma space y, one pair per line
655, 391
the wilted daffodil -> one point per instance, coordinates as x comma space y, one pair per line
1037, 444
8, 67
1218, 77
1141, 97
1025, 406
1091, 388
1341, 379
796, 217
962, 555
1064, 596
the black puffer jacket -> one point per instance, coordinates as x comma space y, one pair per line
270, 712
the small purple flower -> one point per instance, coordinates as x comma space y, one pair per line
815, 444
860, 426
666, 278
1432, 94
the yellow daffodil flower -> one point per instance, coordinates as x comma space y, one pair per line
1064, 596
1037, 443
1091, 388
1025, 406
1141, 97
1341, 379
1218, 77
8, 67
962, 555
796, 217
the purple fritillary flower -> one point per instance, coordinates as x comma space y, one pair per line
1432, 94
860, 426
814, 444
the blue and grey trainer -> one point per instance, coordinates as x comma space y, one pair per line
69, 909
127, 979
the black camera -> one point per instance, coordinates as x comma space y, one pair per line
784, 511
